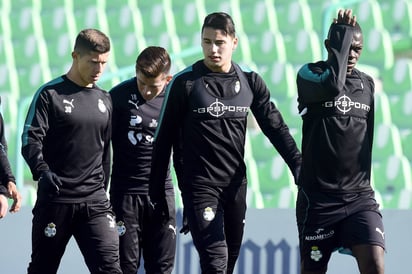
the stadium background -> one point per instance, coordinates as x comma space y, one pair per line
275, 38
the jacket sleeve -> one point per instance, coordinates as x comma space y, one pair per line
3, 190
106, 161
166, 136
34, 132
271, 122
5, 169
320, 81
178, 159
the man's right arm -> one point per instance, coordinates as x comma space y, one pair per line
34, 132
166, 134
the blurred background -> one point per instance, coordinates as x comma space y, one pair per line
275, 38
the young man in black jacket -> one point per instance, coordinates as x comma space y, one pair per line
66, 143
204, 119
336, 208
136, 108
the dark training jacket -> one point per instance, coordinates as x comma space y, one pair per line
134, 124
204, 118
68, 131
338, 122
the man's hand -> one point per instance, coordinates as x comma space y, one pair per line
185, 225
3, 205
160, 209
15, 195
49, 184
345, 17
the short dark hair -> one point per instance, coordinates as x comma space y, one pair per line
91, 40
221, 21
153, 61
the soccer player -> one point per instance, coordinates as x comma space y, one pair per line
66, 143
7, 180
204, 120
136, 108
336, 208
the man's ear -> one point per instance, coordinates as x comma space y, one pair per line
168, 78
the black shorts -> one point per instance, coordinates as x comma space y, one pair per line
337, 227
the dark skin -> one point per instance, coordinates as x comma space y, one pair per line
370, 258
346, 17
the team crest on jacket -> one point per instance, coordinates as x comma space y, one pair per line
237, 86
316, 254
102, 106
208, 214
121, 228
50, 230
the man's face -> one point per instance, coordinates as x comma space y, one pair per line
217, 48
90, 67
355, 51
150, 87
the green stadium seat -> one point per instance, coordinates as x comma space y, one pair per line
57, 35
26, 50
88, 14
268, 48
377, 50
387, 142
59, 53
293, 16
218, 5
53, 21
303, 46
405, 199
397, 19
9, 105
276, 184
8, 76
254, 195
29, 195
289, 109
24, 15
254, 198
401, 111
281, 80
5, 80
31, 78
262, 149
120, 20
126, 41
382, 108
242, 54
126, 50
154, 24
188, 21
397, 79
30, 65
406, 140
378, 195
391, 176
257, 17
320, 11
368, 15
